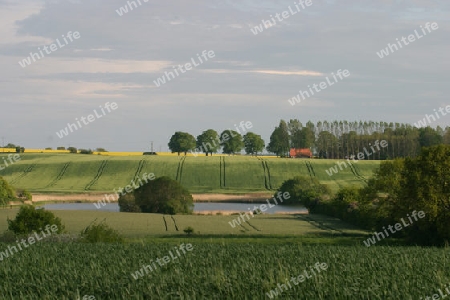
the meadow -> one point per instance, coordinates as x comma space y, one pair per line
77, 173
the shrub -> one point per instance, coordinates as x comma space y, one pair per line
188, 230
127, 203
72, 150
30, 219
100, 233
303, 190
86, 151
60, 148
24, 195
6, 192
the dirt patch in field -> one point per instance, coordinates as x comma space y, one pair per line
91, 197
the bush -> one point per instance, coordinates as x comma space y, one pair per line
188, 230
162, 195
30, 219
72, 150
100, 233
6, 192
60, 148
86, 151
127, 203
24, 195
303, 190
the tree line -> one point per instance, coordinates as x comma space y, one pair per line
336, 139
210, 142
398, 191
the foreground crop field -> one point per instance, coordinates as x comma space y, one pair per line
75, 173
222, 270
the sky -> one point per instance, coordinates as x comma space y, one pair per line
119, 55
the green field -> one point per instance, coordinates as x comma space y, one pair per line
225, 262
76, 173
222, 269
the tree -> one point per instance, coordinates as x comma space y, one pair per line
162, 195
253, 143
303, 190
20, 149
279, 140
30, 219
181, 142
207, 142
10, 146
86, 151
6, 192
61, 148
429, 137
101, 150
72, 150
231, 142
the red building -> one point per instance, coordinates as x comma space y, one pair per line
300, 153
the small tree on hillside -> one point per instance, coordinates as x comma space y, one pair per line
207, 142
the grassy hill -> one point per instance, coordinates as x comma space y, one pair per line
75, 173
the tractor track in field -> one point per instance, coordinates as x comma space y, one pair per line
24, 173
356, 172
318, 224
97, 176
141, 165
165, 223
248, 222
222, 172
175, 223
180, 169
267, 179
310, 169
60, 175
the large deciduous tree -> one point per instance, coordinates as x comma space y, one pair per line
231, 142
253, 143
181, 142
208, 142
162, 195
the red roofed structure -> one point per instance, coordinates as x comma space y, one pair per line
300, 153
